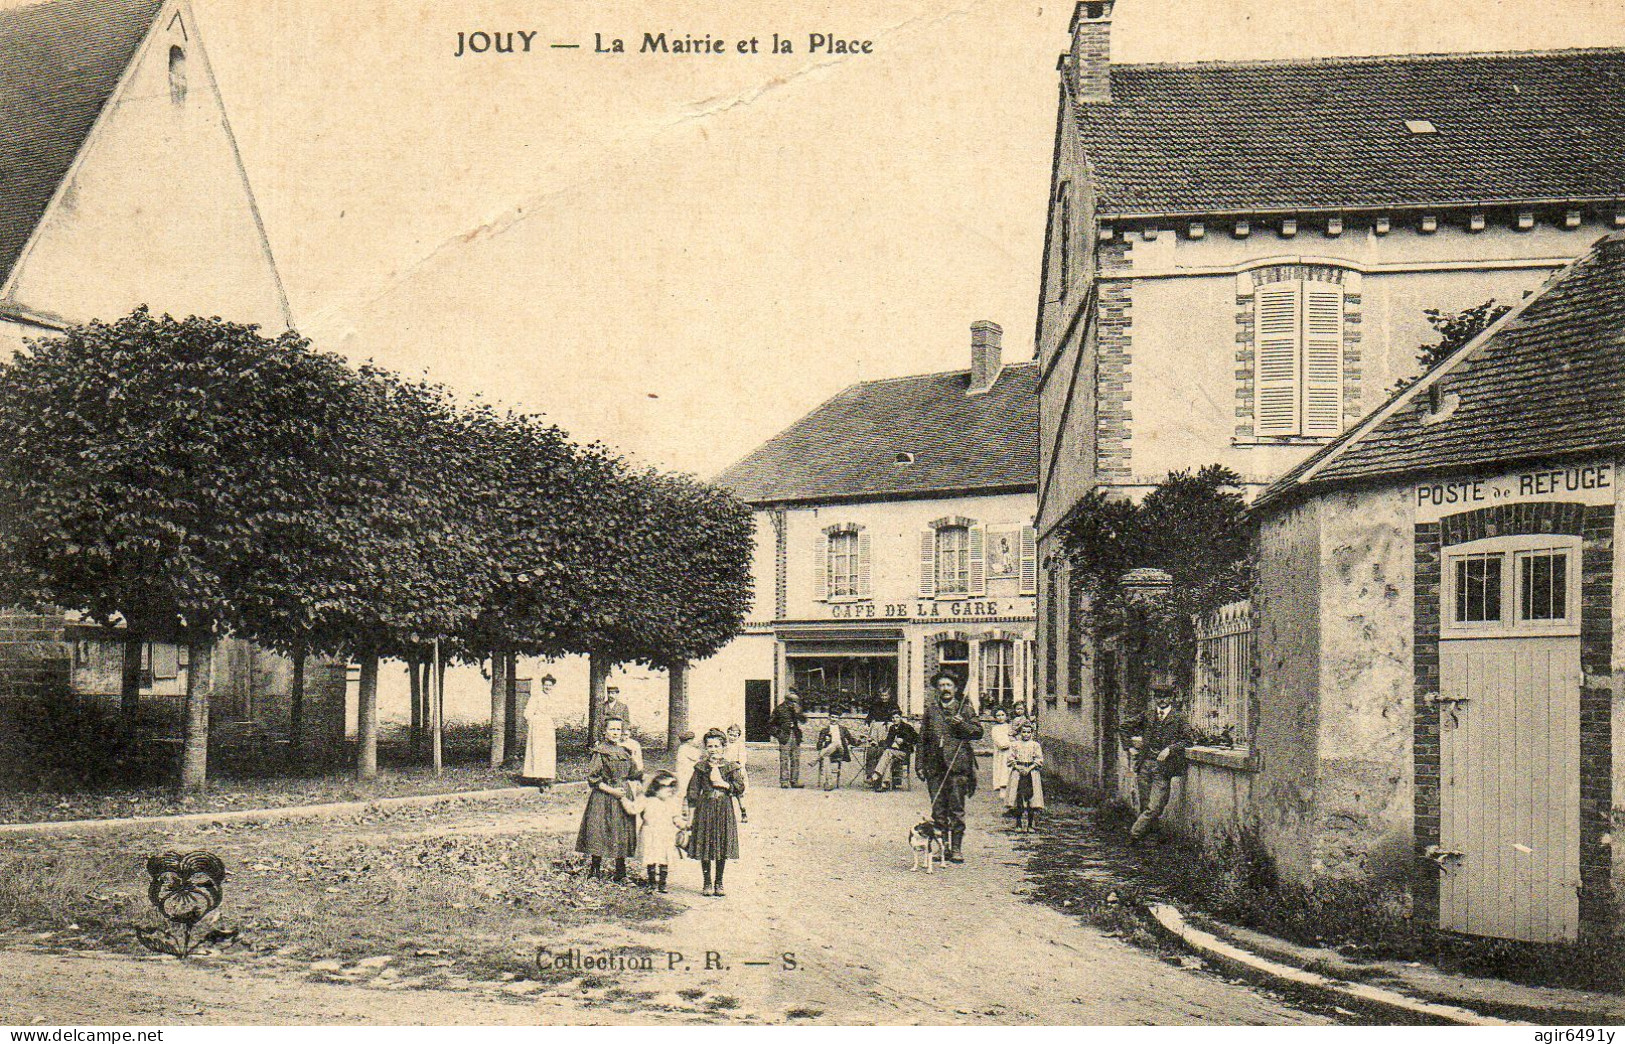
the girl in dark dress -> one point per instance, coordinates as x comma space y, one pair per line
712, 792
609, 829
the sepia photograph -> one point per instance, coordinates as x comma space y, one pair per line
518, 513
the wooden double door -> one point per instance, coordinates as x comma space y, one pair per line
1509, 739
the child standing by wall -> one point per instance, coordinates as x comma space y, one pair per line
1025, 793
712, 793
659, 816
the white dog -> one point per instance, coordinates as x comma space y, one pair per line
926, 841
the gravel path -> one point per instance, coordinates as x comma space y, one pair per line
825, 883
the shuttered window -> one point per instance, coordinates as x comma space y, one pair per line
842, 566
1298, 386
953, 560
1029, 561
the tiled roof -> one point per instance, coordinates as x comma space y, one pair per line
1548, 381
1233, 137
848, 447
59, 62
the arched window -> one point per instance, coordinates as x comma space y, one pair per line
177, 74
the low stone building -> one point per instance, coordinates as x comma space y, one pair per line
1437, 631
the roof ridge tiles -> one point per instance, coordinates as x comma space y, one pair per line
1359, 59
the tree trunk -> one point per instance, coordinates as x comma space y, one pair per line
676, 703
296, 710
366, 717
510, 709
130, 685
415, 682
499, 702
598, 668
195, 744
437, 710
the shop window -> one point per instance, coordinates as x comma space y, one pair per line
999, 674
1298, 330
843, 684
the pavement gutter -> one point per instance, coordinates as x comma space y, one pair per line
1243, 962
258, 815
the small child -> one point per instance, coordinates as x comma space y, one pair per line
660, 816
736, 755
1025, 793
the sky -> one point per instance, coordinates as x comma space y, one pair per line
681, 254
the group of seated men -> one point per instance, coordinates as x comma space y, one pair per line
889, 746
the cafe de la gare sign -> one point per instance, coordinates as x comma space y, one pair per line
959, 609
1575, 483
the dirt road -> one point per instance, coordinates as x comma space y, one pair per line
823, 923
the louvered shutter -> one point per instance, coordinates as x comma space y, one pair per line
821, 567
1276, 381
978, 562
1029, 560
865, 590
1322, 358
928, 564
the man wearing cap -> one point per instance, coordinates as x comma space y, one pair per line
947, 763
785, 725
1158, 740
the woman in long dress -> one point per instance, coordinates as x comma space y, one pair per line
999, 736
541, 738
712, 792
609, 827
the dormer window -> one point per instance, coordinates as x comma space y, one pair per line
177, 74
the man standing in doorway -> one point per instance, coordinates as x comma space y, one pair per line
947, 762
1159, 740
785, 724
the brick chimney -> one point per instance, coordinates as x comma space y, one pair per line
1092, 50
985, 362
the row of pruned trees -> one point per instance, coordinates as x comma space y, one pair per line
194, 478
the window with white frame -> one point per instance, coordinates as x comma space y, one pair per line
1527, 584
953, 560
999, 673
1298, 345
841, 564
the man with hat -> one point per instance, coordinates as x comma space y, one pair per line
785, 725
946, 762
1159, 740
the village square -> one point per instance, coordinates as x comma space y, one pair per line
1238, 649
